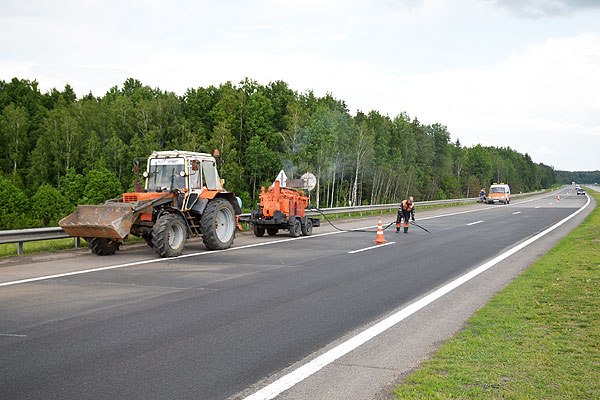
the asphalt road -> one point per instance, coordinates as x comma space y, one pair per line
212, 325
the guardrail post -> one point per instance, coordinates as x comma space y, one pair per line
20, 248
77, 242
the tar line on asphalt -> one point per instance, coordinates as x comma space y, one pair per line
158, 260
289, 380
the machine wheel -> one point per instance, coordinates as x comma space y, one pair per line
103, 246
218, 225
169, 235
148, 240
295, 228
259, 231
307, 228
272, 231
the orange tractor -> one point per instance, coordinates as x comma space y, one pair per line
281, 208
183, 197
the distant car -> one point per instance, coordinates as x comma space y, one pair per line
580, 191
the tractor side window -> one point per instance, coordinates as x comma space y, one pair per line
195, 180
210, 175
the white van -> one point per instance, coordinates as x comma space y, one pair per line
499, 192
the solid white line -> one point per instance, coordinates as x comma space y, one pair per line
12, 335
158, 260
287, 381
475, 223
518, 212
372, 247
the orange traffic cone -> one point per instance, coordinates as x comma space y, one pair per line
379, 239
558, 198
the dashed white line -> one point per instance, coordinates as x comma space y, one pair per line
369, 248
537, 206
475, 223
12, 335
518, 212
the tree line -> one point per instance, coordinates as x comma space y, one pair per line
59, 150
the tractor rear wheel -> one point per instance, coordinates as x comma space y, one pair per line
218, 224
259, 231
272, 231
103, 246
295, 228
307, 228
169, 235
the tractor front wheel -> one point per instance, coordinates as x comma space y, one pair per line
103, 246
169, 235
218, 224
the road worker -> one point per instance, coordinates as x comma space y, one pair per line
482, 195
406, 211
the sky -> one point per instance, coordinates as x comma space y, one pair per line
523, 74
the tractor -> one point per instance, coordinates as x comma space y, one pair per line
183, 197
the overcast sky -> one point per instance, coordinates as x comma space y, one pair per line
517, 73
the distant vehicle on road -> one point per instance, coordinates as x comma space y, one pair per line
499, 192
580, 191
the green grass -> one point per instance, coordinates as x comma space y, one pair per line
10, 249
48, 246
537, 339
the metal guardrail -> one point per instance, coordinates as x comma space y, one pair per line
21, 236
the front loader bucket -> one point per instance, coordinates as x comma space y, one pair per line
112, 221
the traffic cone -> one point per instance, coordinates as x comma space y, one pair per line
558, 198
379, 239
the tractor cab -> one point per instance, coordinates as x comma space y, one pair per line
185, 171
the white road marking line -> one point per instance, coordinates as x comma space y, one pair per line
369, 248
287, 381
12, 335
158, 260
475, 223
537, 206
518, 212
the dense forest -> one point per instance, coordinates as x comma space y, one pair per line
584, 177
59, 150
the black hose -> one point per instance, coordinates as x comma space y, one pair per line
345, 230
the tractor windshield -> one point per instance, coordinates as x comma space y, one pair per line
165, 174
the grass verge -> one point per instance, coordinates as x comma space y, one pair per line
537, 339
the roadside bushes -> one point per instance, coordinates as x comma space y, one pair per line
45, 207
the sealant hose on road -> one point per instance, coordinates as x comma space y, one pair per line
358, 230
346, 230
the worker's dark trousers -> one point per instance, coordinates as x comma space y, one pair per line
402, 214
